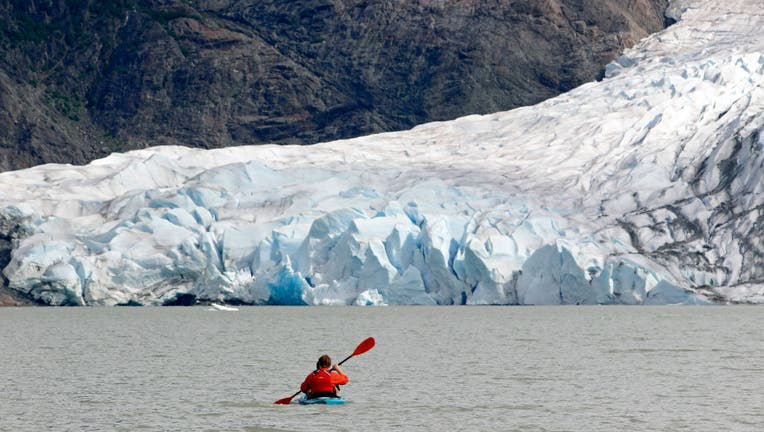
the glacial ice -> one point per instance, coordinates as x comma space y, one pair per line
643, 188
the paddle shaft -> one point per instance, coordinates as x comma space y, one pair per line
289, 399
346, 359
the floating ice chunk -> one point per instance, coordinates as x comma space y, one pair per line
223, 308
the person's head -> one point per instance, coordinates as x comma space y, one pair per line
323, 362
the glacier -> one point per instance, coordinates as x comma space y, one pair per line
642, 188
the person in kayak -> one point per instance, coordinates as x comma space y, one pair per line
324, 382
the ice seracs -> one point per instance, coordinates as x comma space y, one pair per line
643, 188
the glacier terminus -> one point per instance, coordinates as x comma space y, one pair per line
642, 188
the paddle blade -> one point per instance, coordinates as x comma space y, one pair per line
360, 349
286, 401
364, 346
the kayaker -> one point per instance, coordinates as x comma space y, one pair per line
324, 382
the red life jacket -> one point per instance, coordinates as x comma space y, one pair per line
322, 381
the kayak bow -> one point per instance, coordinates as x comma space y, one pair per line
321, 401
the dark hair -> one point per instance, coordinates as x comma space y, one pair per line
323, 362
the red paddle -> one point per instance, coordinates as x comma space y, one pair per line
362, 347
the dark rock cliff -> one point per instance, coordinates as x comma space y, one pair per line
80, 79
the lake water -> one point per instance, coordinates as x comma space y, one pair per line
433, 368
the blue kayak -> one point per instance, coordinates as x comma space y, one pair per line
322, 400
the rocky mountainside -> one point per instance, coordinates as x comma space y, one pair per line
80, 79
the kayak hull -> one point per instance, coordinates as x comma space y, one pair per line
321, 401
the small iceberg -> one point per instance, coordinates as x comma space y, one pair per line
224, 308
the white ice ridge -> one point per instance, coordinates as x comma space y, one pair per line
644, 188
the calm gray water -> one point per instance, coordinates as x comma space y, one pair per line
439, 368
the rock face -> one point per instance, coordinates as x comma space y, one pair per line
9, 297
82, 79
